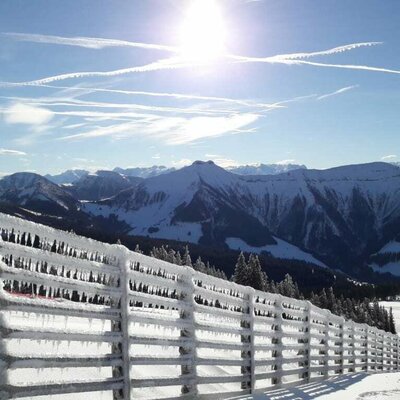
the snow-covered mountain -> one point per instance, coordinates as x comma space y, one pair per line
35, 192
67, 177
339, 214
342, 216
265, 169
101, 185
144, 172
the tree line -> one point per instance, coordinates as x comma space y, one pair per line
250, 273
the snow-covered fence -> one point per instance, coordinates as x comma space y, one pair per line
85, 318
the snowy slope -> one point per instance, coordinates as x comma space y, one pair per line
387, 259
281, 249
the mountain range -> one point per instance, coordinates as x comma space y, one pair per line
339, 217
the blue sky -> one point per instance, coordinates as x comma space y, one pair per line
315, 82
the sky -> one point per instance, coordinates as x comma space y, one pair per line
96, 84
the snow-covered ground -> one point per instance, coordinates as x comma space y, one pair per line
393, 267
359, 386
281, 249
395, 305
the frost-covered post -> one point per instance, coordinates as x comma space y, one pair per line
4, 359
309, 325
188, 351
251, 327
342, 330
247, 340
122, 254
353, 345
398, 352
366, 327
279, 320
376, 349
326, 342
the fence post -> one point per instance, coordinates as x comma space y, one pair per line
342, 328
252, 351
398, 352
353, 344
366, 327
278, 352
123, 263
326, 350
189, 333
376, 349
309, 348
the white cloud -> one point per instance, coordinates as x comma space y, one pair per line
285, 162
20, 113
225, 162
389, 157
182, 163
339, 91
156, 157
7, 152
172, 130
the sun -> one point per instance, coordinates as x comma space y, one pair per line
202, 34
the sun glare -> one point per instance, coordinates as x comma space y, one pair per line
202, 35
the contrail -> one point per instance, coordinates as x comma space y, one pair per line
293, 56
179, 96
339, 91
86, 42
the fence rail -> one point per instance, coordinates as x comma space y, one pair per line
79, 316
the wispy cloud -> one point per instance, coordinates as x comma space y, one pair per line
87, 42
389, 157
20, 113
184, 162
178, 96
8, 152
172, 130
336, 92
222, 161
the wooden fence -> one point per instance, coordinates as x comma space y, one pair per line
98, 321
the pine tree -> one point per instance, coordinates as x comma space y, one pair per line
241, 273
257, 278
186, 260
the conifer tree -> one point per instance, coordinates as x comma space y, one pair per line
240, 276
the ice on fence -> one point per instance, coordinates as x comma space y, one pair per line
72, 306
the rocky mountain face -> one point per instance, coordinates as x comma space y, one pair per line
101, 185
37, 193
341, 214
67, 177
